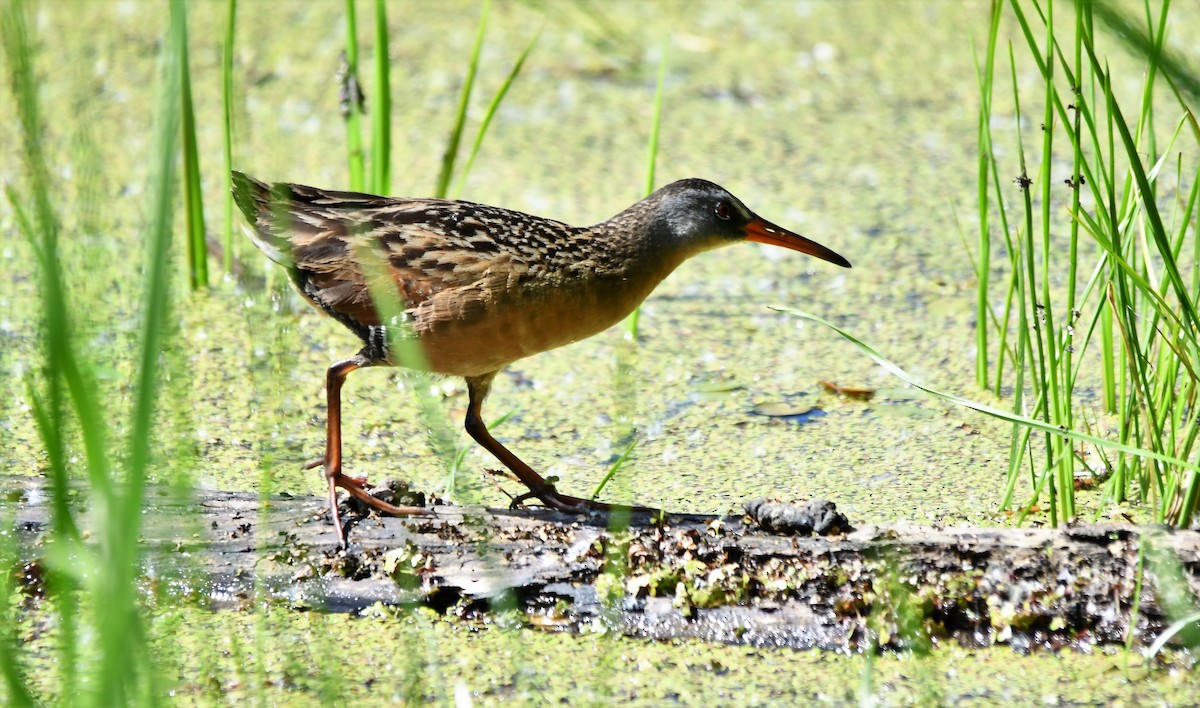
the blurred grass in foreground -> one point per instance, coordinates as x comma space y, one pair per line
102, 659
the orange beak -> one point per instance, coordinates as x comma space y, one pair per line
763, 231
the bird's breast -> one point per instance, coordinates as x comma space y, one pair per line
473, 331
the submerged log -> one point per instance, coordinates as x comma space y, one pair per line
722, 579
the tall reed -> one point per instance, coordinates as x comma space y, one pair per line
1094, 267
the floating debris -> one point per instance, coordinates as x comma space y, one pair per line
859, 393
788, 411
816, 516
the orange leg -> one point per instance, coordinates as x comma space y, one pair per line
332, 461
539, 488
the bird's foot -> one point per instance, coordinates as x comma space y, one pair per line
320, 462
356, 487
568, 504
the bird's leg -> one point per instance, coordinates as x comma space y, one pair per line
332, 462
539, 488
334, 378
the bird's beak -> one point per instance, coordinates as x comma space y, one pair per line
763, 231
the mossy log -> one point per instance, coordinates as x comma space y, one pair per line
722, 579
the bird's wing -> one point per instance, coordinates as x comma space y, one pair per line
329, 240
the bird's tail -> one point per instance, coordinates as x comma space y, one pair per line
265, 209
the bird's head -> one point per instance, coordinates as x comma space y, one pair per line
698, 215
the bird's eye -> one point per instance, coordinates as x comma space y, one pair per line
722, 211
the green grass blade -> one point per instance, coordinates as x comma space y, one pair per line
123, 672
14, 674
983, 270
656, 120
227, 128
1058, 399
491, 111
464, 101
615, 467
1179, 627
42, 230
60, 356
351, 100
193, 197
47, 410
125, 666
155, 302
1008, 416
381, 110
1174, 595
16, 686
631, 322
1143, 313
1157, 229
1181, 75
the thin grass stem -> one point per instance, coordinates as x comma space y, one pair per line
983, 270
615, 467
351, 100
631, 322
492, 109
381, 109
450, 156
227, 129
193, 198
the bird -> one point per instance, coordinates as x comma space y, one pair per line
478, 287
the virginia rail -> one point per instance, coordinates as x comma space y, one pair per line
480, 286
